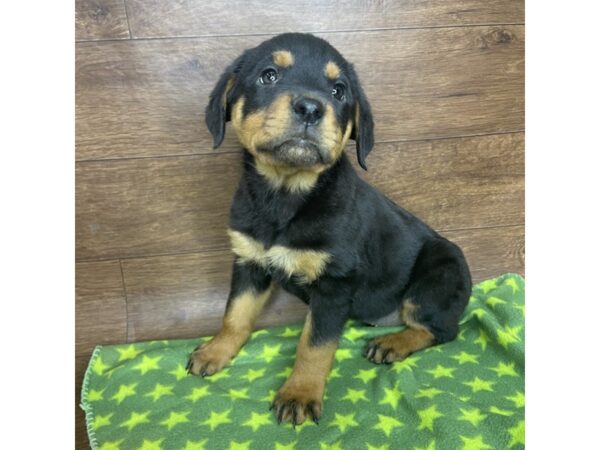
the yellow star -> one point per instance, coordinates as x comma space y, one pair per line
335, 373
355, 395
478, 312
238, 393
136, 419
233, 445
334, 446
114, 445
352, 334
366, 375
180, 373
217, 419
175, 418
198, 393
487, 285
148, 364
508, 335
518, 399
269, 352
513, 284
391, 397
94, 395
429, 393
159, 391
387, 424
482, 339
475, 443
428, 416
259, 332
125, 390
493, 301
343, 421
342, 354
257, 420
465, 357
290, 446
151, 445
502, 412
269, 397
252, 374
217, 376
517, 434
441, 371
128, 352
285, 372
291, 332
101, 421
99, 367
383, 447
406, 364
198, 445
505, 369
480, 385
472, 416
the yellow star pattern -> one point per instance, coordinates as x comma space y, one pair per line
427, 417
518, 399
136, 419
429, 392
406, 364
96, 395
291, 332
391, 397
217, 419
505, 369
129, 352
465, 357
159, 391
235, 394
175, 418
475, 443
342, 354
508, 335
252, 374
233, 445
366, 375
441, 371
480, 385
125, 390
113, 445
257, 420
387, 424
517, 434
354, 395
482, 339
431, 446
98, 366
151, 445
473, 416
148, 364
102, 421
280, 446
343, 421
198, 445
198, 393
179, 373
269, 352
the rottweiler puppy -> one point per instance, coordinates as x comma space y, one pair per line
302, 218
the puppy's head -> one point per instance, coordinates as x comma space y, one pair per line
294, 102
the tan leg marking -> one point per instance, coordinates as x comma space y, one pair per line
237, 326
301, 396
397, 346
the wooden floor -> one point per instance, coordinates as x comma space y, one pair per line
445, 80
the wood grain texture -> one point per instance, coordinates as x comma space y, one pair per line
100, 19
132, 208
99, 305
184, 296
147, 98
158, 18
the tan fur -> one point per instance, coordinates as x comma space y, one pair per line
306, 384
237, 326
228, 87
294, 180
408, 315
307, 265
283, 58
332, 70
403, 343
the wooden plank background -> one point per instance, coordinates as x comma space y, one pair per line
445, 80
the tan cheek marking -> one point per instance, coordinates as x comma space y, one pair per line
332, 70
283, 58
306, 265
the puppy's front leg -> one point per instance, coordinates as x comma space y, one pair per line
301, 396
251, 287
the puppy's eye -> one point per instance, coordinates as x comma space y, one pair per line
339, 91
268, 76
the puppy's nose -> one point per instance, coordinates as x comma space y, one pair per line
308, 110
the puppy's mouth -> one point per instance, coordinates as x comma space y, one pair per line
300, 152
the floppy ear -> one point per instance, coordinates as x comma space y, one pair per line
362, 132
218, 109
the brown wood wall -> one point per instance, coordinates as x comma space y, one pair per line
445, 80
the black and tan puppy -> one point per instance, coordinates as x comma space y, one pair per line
303, 218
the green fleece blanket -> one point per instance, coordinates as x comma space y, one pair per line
466, 394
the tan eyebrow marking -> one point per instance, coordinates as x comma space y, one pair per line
283, 58
332, 70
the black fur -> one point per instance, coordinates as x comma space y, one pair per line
381, 254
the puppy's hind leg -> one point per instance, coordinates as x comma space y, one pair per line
437, 295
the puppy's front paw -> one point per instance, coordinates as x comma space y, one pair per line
296, 404
209, 358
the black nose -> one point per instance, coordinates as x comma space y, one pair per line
308, 110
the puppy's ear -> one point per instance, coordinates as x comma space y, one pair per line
219, 106
362, 132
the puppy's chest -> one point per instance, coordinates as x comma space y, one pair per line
304, 265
